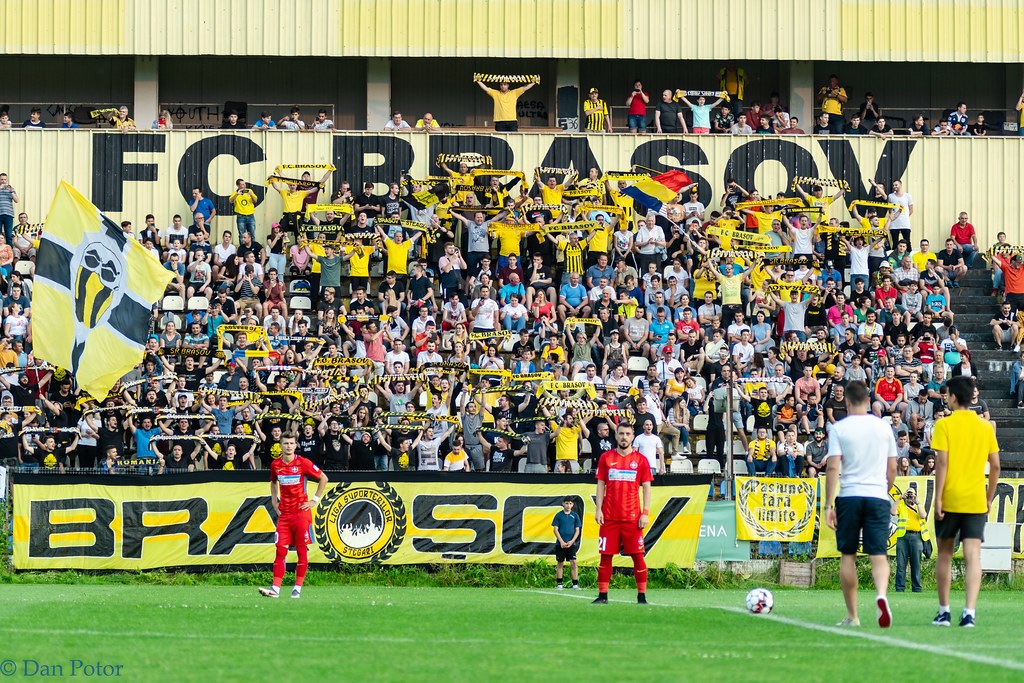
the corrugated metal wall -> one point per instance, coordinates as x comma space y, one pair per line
843, 30
131, 175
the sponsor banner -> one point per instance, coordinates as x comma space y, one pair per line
775, 509
119, 523
925, 493
718, 542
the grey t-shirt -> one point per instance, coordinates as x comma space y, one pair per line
470, 425
794, 315
537, 449
478, 241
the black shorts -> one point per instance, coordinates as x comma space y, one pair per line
967, 525
862, 521
563, 554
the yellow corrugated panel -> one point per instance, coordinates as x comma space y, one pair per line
62, 27
945, 176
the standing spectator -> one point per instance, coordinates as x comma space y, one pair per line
862, 458
733, 80
741, 127
505, 119
958, 119
911, 535
322, 123
1013, 278
978, 128
8, 198
962, 233
899, 226
668, 116
869, 111
918, 127
963, 443
396, 122
122, 121
243, 200
568, 527
266, 121
822, 126
201, 204
596, 111
832, 98
637, 103
232, 121
854, 127
292, 121
701, 114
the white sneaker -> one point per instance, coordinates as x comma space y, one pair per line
270, 592
1016, 348
296, 593
560, 587
576, 587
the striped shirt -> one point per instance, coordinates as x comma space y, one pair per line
596, 111
574, 256
6, 201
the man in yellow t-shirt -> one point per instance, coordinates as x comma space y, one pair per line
397, 250
566, 435
761, 456
505, 119
291, 204
963, 443
243, 201
832, 98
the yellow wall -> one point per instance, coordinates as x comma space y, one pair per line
844, 30
945, 176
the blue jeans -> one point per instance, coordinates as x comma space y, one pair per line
766, 467
969, 252
515, 325
997, 279
7, 222
245, 224
380, 463
791, 468
637, 122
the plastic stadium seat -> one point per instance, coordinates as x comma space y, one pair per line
637, 364
737, 447
298, 286
301, 303
750, 425
198, 303
739, 467
23, 267
173, 303
587, 449
700, 423
509, 344
681, 465
702, 447
423, 399
709, 466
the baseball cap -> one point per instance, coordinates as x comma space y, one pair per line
667, 348
593, 91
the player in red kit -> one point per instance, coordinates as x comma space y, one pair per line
288, 476
620, 473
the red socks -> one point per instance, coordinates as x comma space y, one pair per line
604, 573
303, 565
639, 572
282, 551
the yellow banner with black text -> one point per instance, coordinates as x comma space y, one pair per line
98, 526
770, 509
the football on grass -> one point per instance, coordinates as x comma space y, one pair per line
760, 601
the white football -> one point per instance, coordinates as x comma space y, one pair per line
760, 601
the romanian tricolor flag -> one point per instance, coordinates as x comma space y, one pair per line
93, 292
653, 193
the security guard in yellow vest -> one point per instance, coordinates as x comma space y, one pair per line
911, 535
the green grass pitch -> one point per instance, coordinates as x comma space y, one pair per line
364, 633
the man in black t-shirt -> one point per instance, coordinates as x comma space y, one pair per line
668, 115
309, 444
335, 446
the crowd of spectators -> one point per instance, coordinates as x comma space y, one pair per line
406, 330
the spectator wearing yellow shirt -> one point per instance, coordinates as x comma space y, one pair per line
243, 201
832, 98
923, 256
566, 435
505, 119
398, 250
733, 80
122, 121
596, 112
427, 123
911, 533
291, 201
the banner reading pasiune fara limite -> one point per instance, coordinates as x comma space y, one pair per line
210, 519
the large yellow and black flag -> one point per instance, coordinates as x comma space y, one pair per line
93, 293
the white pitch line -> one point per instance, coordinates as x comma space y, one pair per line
846, 632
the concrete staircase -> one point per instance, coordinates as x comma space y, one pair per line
974, 307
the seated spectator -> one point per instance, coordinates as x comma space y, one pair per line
761, 456
966, 239
957, 119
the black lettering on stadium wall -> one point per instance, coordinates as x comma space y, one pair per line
44, 529
235, 534
193, 169
512, 541
496, 148
136, 527
574, 151
843, 164
745, 160
350, 159
109, 172
484, 530
686, 153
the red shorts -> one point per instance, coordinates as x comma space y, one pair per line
627, 536
293, 527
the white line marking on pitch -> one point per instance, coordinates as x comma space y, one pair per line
842, 631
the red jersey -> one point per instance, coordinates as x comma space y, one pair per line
291, 478
623, 475
889, 391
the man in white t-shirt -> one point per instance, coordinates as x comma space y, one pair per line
649, 443
899, 227
862, 458
484, 312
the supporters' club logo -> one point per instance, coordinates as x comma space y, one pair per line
360, 523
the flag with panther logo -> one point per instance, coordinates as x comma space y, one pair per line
94, 289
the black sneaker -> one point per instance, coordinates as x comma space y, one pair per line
601, 599
942, 619
967, 621
641, 598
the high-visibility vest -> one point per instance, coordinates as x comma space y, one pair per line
903, 510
